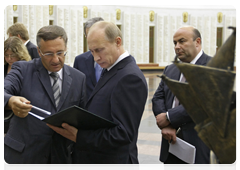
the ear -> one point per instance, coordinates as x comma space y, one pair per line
19, 36
198, 41
118, 41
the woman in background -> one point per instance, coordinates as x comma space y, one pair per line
14, 50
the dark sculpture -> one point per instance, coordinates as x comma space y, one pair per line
209, 99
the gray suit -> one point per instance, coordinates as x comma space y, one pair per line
28, 139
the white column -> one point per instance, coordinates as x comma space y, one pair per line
206, 46
133, 39
159, 37
166, 41
80, 31
9, 18
39, 17
145, 38
25, 16
126, 32
73, 36
60, 16
32, 31
213, 35
139, 53
66, 26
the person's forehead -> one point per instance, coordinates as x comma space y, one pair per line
95, 36
183, 33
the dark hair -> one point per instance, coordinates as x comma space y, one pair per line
51, 32
90, 22
196, 34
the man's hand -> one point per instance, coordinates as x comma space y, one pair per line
67, 131
162, 120
19, 105
169, 133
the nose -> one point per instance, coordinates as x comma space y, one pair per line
177, 46
96, 56
55, 58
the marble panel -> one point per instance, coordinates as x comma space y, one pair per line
133, 35
32, 31
159, 45
139, 52
25, 16
145, 38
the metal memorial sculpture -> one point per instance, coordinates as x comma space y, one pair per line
210, 100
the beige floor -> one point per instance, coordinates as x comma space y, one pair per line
149, 137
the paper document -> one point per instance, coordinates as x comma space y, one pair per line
39, 113
39, 117
183, 151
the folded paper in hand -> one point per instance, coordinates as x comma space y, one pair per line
183, 151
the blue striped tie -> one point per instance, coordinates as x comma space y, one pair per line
98, 71
55, 87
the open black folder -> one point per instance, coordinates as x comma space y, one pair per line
79, 118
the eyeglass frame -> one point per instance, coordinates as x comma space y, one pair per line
12, 56
52, 54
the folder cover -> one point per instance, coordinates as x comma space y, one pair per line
79, 118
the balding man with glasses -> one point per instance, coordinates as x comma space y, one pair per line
46, 83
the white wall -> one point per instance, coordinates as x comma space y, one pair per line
135, 26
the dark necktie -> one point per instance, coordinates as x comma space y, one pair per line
55, 87
175, 98
104, 71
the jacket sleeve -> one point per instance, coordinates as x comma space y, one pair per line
158, 100
13, 82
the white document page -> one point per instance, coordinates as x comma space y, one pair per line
37, 109
183, 151
39, 117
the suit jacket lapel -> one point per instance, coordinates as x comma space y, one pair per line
107, 76
202, 60
44, 79
66, 84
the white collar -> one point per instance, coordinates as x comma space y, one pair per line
59, 73
121, 57
197, 57
26, 42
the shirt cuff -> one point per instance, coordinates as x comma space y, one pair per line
168, 117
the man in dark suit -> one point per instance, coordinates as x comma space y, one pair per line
19, 30
170, 115
85, 62
28, 84
119, 96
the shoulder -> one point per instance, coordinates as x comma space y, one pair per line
204, 59
83, 55
131, 71
73, 71
31, 45
170, 68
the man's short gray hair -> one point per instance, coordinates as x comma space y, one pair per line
90, 22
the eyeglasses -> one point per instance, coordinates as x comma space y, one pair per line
12, 56
59, 54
